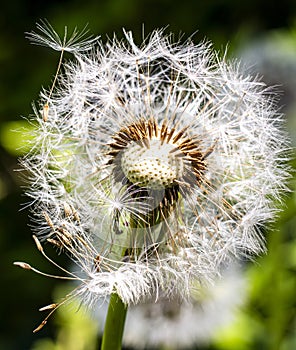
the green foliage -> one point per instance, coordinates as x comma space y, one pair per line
15, 137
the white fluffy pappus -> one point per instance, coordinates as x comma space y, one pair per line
154, 165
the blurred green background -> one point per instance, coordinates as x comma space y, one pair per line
262, 33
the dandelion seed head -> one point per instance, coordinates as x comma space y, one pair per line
182, 324
155, 165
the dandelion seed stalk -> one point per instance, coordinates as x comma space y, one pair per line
114, 325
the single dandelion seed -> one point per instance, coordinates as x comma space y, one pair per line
78, 41
158, 165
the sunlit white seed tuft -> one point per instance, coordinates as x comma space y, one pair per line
169, 160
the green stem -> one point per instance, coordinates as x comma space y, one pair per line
114, 324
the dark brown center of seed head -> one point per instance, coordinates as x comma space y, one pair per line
156, 157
